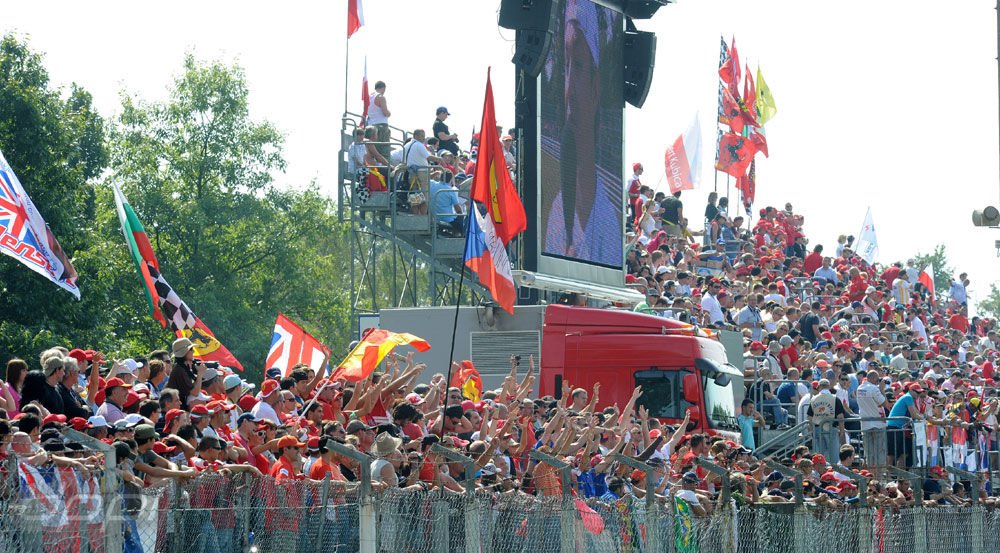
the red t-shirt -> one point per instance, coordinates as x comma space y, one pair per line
812, 262
283, 470
958, 322
321, 468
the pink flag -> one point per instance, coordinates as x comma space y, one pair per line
682, 160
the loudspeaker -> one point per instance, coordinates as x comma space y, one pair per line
534, 21
643, 9
537, 15
640, 53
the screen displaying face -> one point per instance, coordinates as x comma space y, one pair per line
581, 137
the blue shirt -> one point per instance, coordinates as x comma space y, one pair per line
786, 392
592, 484
746, 430
900, 409
444, 198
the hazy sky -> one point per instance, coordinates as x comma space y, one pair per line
889, 104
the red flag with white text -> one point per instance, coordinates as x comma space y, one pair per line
682, 160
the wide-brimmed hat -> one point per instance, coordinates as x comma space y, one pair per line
385, 444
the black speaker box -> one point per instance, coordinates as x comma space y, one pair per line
534, 21
640, 54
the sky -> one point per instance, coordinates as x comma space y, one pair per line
891, 105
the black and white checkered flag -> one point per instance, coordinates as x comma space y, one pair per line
177, 313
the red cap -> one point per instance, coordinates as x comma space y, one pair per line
268, 387
654, 433
915, 387
132, 399
819, 460
314, 442
247, 402
201, 411
970, 395
828, 475
80, 355
161, 448
290, 441
636, 166
61, 419
220, 405
80, 424
99, 397
757, 344
170, 416
116, 383
468, 405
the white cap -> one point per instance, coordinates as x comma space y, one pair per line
97, 421
135, 418
127, 366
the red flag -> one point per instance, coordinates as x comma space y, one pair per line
730, 70
757, 138
735, 154
592, 521
355, 17
747, 185
366, 98
750, 95
492, 185
926, 278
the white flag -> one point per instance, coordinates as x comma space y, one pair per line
867, 246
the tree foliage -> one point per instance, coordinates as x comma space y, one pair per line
199, 172
990, 306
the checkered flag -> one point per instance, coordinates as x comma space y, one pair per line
177, 313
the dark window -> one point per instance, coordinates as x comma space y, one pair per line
662, 393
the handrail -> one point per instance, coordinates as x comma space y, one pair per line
916, 482
784, 436
971, 477
719, 471
647, 470
468, 466
555, 463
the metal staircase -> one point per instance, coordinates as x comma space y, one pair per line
398, 259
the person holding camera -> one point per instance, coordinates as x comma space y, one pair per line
188, 372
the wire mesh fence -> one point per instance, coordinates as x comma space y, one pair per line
51, 509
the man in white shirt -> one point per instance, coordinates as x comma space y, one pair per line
901, 289
711, 305
418, 158
826, 272
918, 327
871, 402
957, 290
269, 397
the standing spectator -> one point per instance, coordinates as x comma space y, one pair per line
813, 260
824, 412
54, 370
749, 317
187, 373
447, 140
871, 401
809, 322
16, 370
747, 420
900, 442
957, 290
378, 117
672, 214
711, 211
270, 397
901, 288
710, 303
633, 186
73, 404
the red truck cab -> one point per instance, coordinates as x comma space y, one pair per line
678, 369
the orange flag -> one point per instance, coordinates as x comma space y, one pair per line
372, 349
492, 185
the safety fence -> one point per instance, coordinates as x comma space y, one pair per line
229, 513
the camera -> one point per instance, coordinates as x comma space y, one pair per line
210, 364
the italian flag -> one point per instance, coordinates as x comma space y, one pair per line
682, 160
926, 278
142, 252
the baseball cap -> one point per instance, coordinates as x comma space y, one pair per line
116, 383
233, 381
170, 416
247, 402
245, 417
414, 398
357, 426
289, 441
60, 419
98, 421
201, 411
690, 477
273, 372
145, 432
79, 424
442, 109
268, 387
757, 344
636, 166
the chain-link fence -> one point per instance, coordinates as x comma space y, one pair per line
53, 509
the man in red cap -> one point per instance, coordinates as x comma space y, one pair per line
270, 395
115, 394
289, 459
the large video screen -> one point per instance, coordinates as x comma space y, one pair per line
580, 185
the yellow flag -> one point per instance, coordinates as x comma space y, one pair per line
470, 391
765, 102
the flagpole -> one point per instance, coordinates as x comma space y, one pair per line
458, 303
347, 58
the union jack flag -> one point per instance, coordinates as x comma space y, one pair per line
25, 236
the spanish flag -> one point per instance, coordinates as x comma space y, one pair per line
372, 349
468, 380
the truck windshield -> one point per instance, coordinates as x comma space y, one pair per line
662, 395
720, 404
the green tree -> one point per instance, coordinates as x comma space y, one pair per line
990, 306
54, 141
938, 258
199, 173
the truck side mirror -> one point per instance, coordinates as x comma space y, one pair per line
690, 387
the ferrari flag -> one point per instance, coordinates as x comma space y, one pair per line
25, 236
492, 185
372, 349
